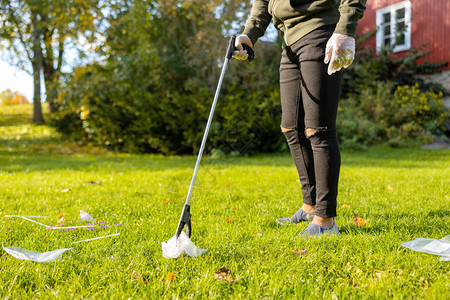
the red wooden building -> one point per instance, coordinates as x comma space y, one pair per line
409, 24
425, 21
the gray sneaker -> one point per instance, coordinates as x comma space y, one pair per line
314, 230
299, 216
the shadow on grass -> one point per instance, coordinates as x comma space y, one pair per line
53, 152
19, 162
15, 119
17, 157
382, 156
26, 144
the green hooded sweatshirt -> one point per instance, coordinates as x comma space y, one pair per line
295, 18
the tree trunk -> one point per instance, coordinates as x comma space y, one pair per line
52, 73
37, 108
51, 89
37, 67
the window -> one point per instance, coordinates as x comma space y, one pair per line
394, 26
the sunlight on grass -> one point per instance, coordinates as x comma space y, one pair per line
401, 193
19, 135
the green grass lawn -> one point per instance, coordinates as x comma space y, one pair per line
401, 193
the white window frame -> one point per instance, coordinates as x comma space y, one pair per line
392, 9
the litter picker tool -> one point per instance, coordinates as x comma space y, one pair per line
185, 218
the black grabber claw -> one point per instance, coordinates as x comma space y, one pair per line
185, 220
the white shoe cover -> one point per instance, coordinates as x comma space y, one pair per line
174, 248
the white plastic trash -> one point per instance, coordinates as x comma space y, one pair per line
437, 247
174, 248
84, 216
24, 254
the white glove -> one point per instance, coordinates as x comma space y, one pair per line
240, 53
339, 52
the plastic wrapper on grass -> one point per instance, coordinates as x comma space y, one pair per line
84, 216
24, 254
174, 248
437, 247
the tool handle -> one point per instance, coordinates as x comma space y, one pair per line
250, 52
232, 48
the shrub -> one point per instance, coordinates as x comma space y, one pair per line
355, 130
154, 89
248, 122
414, 116
412, 105
406, 117
121, 117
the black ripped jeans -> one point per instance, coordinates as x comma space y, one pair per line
309, 100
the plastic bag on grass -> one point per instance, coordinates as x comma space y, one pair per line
84, 216
437, 247
174, 248
24, 254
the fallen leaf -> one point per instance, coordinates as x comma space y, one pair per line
8, 230
169, 277
300, 252
230, 219
344, 206
61, 218
65, 191
359, 221
389, 187
224, 274
144, 279
165, 201
256, 234
95, 182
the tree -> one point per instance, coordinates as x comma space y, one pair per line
37, 33
7, 96
20, 99
153, 90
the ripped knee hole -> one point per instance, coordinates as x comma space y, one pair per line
286, 129
310, 132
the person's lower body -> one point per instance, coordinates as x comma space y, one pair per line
309, 102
